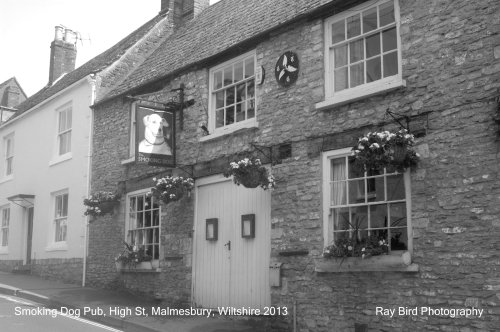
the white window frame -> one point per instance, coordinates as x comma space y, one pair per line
58, 219
247, 123
367, 89
68, 109
326, 191
128, 221
8, 161
4, 227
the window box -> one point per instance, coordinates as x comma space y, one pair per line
395, 262
151, 266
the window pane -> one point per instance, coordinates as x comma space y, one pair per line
249, 67
378, 216
357, 74
229, 115
140, 203
353, 26
398, 214
359, 221
338, 193
338, 168
229, 96
399, 238
251, 108
373, 70
65, 205
389, 40
219, 118
218, 80
69, 118
219, 99
338, 32
228, 75
391, 64
356, 51
370, 20
340, 218
386, 13
250, 89
133, 207
373, 45
240, 92
357, 191
340, 79
395, 187
62, 121
240, 112
238, 71
340, 56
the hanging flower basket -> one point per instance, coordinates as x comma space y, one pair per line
379, 150
250, 173
101, 203
171, 188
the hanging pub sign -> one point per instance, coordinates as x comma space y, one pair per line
155, 136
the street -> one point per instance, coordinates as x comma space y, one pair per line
21, 315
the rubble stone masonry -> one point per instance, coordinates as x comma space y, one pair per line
451, 64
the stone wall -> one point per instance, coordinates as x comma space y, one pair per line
451, 64
62, 269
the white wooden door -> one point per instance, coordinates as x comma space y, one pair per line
235, 274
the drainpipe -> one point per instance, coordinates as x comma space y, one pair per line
92, 81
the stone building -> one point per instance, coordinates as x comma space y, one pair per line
353, 67
45, 149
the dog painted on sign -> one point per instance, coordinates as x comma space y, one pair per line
154, 141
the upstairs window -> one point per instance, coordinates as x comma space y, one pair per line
232, 94
363, 49
4, 236
8, 155
64, 130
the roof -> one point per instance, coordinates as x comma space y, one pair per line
216, 29
94, 65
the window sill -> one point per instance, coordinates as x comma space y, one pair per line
390, 263
128, 161
57, 246
4, 250
364, 91
7, 178
231, 130
60, 159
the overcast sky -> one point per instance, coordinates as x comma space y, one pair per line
27, 29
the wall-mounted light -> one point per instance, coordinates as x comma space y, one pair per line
205, 130
248, 226
211, 229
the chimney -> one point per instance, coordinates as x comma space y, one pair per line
62, 53
183, 10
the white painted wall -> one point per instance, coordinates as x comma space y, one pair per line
36, 173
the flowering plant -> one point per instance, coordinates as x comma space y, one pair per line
382, 149
100, 203
250, 173
350, 247
132, 255
171, 188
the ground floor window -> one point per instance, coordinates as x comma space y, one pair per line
61, 217
143, 223
5, 215
358, 204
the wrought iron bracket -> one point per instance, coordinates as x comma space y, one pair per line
181, 104
405, 117
268, 154
188, 169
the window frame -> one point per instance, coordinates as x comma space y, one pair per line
8, 160
67, 131
128, 228
364, 90
247, 123
328, 236
4, 226
56, 220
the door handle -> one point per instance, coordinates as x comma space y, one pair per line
228, 245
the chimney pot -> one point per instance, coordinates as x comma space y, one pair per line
59, 32
69, 36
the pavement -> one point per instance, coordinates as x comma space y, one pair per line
118, 309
